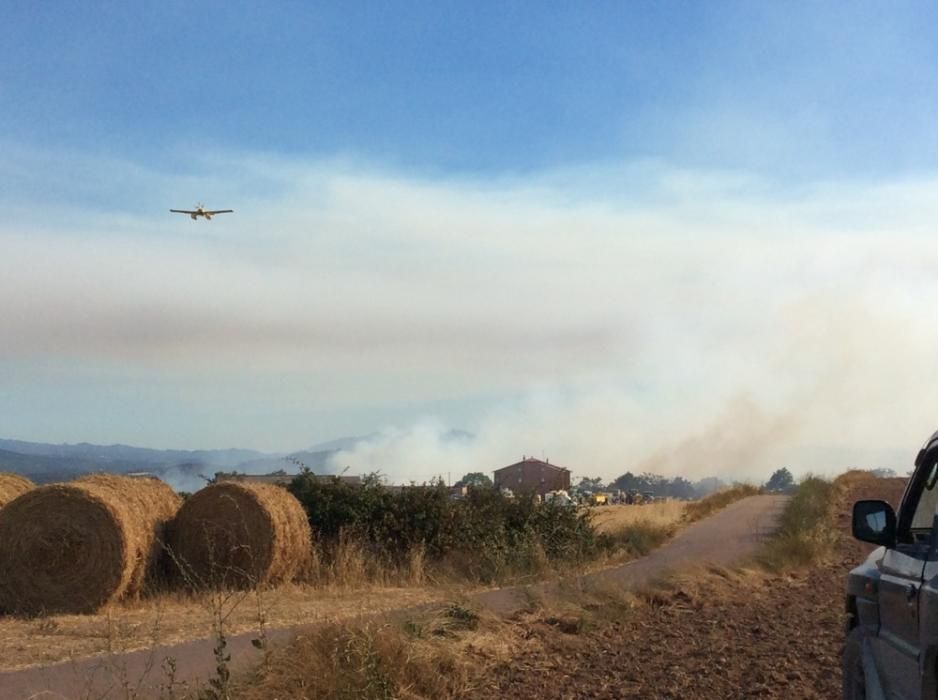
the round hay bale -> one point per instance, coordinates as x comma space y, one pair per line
13, 485
237, 534
75, 547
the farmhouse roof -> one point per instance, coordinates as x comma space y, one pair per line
534, 462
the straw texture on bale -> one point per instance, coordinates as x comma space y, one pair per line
75, 547
13, 485
240, 534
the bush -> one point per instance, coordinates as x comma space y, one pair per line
484, 536
805, 534
381, 658
639, 538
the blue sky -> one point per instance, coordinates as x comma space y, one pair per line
588, 230
794, 89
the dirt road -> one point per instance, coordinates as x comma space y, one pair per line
743, 635
719, 539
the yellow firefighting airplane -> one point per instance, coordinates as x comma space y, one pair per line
201, 211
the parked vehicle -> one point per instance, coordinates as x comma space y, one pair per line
559, 498
891, 649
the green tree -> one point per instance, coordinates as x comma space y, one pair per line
476, 480
591, 484
679, 487
781, 480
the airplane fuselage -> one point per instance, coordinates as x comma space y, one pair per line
201, 211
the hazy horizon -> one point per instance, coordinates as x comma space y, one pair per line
377, 452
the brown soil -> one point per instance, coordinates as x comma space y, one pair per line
717, 635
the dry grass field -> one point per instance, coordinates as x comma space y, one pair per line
170, 618
614, 518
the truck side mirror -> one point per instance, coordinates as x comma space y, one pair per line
874, 522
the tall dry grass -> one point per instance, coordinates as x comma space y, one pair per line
698, 510
630, 531
384, 658
610, 519
807, 532
350, 565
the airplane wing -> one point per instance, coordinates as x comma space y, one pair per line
221, 211
182, 211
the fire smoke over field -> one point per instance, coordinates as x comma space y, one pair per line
737, 443
742, 442
823, 387
609, 319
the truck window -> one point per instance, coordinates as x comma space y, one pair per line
925, 510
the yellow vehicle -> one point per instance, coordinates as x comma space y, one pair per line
600, 499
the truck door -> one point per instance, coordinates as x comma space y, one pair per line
928, 626
898, 647
898, 642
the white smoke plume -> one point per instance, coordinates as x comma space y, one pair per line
610, 319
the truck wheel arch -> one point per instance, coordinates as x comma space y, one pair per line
852, 614
859, 667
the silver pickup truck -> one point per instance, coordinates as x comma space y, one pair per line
892, 598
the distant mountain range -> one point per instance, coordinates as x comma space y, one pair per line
183, 469
44, 462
